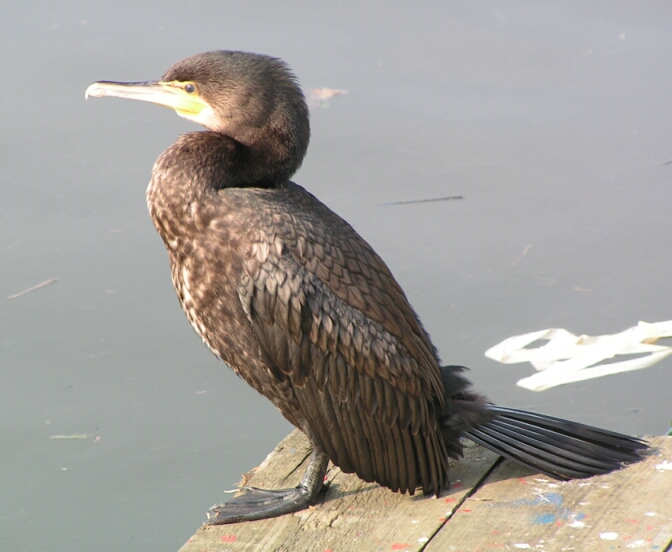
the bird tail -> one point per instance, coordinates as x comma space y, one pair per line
556, 447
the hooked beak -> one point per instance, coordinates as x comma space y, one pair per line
168, 94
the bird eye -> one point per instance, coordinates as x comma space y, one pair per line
190, 88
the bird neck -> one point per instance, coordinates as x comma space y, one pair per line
189, 173
212, 160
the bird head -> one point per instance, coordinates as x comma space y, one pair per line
242, 95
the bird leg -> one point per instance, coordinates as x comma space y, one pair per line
255, 503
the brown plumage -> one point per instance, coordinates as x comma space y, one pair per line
301, 307
300, 304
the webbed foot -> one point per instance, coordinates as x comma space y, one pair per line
256, 503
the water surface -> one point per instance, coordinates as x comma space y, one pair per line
553, 121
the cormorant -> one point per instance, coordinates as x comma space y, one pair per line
303, 309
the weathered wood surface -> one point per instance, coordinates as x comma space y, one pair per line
491, 505
628, 509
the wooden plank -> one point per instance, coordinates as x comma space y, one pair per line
515, 509
507, 507
352, 515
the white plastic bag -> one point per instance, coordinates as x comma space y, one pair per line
567, 358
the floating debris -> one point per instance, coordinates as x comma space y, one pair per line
38, 286
568, 358
527, 248
427, 200
321, 96
74, 436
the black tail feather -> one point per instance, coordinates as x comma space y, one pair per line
565, 444
574, 453
556, 447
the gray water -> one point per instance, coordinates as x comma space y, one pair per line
552, 120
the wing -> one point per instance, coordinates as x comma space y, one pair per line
329, 316
328, 247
